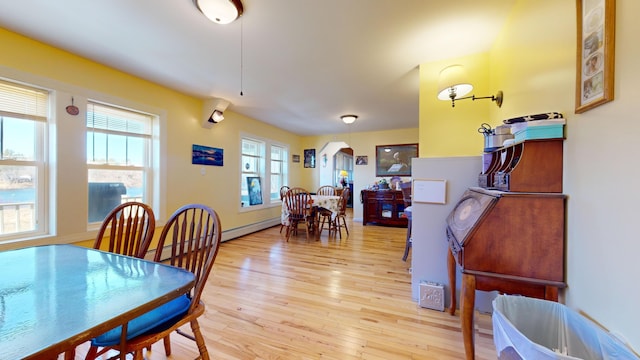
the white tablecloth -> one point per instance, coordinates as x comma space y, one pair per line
329, 202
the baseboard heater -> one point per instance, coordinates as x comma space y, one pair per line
229, 234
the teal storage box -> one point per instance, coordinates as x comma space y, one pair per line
540, 132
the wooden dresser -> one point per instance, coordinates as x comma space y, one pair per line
383, 207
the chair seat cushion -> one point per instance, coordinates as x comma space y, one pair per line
164, 315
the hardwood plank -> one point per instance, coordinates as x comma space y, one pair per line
321, 299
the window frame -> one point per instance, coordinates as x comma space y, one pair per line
40, 116
147, 167
264, 171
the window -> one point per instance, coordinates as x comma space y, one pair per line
23, 118
254, 159
118, 158
279, 155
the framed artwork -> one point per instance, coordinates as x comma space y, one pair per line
595, 56
255, 190
295, 158
395, 160
204, 155
362, 160
310, 158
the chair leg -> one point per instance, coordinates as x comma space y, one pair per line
92, 353
407, 245
344, 222
137, 355
167, 345
202, 346
70, 354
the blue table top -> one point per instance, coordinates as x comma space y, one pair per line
55, 297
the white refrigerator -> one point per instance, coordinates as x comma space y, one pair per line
429, 247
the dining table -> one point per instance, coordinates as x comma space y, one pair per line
55, 297
328, 202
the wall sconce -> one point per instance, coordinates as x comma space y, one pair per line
213, 111
349, 119
216, 116
220, 11
453, 85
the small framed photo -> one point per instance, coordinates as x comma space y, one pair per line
595, 58
362, 160
295, 158
310, 158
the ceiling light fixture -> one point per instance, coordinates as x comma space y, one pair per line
216, 116
213, 111
220, 11
453, 84
349, 119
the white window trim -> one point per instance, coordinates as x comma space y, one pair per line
61, 94
265, 178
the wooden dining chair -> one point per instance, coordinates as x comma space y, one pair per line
298, 203
324, 215
341, 218
127, 230
193, 235
326, 190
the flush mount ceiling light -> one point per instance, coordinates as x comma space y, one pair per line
220, 11
348, 119
453, 85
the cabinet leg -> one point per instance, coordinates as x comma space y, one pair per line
451, 268
467, 312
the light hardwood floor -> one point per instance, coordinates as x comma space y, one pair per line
321, 299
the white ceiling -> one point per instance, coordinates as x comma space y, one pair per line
299, 63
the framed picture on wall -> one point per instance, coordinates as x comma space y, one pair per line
310, 158
255, 190
362, 160
205, 155
595, 58
395, 160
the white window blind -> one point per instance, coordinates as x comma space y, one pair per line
115, 120
23, 102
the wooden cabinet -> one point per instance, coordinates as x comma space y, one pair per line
510, 239
384, 207
527, 166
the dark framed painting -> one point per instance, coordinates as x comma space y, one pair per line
255, 190
310, 158
295, 158
395, 160
596, 21
205, 155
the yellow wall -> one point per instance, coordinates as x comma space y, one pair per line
533, 62
453, 131
72, 76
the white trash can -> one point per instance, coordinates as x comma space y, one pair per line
534, 329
